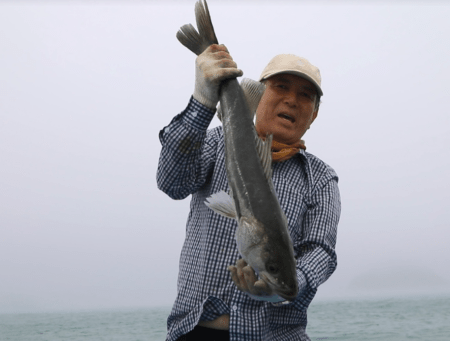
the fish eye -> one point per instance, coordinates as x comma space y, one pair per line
272, 268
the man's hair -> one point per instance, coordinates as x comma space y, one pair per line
318, 101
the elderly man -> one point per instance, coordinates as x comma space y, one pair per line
211, 304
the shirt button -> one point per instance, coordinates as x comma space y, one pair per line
234, 307
194, 114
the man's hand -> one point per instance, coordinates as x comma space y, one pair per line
245, 279
212, 67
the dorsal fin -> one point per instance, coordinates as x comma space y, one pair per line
264, 149
253, 91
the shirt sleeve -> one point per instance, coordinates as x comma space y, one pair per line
315, 250
316, 256
188, 151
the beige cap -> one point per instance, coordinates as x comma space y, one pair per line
292, 64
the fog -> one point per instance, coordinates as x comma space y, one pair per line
86, 87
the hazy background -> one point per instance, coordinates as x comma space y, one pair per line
85, 88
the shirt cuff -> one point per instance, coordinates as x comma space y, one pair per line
272, 299
197, 115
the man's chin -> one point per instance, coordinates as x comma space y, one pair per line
281, 133
285, 136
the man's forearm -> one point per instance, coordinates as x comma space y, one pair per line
186, 154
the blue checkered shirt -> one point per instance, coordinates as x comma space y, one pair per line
192, 161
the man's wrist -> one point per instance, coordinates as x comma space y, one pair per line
198, 115
204, 99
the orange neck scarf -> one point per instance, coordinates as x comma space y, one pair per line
282, 152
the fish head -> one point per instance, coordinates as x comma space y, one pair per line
272, 257
279, 273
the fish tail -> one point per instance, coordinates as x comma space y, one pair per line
199, 41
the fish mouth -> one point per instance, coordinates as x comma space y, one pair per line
287, 117
281, 290
288, 295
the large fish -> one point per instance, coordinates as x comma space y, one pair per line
262, 235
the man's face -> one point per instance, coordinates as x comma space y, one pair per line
287, 108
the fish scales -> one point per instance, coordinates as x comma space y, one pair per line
246, 176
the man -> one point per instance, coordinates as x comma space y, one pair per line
210, 305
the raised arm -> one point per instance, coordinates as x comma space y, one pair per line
188, 151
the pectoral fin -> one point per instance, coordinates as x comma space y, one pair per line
222, 204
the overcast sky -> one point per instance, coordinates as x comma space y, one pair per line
85, 89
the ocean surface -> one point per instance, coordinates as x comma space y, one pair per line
396, 319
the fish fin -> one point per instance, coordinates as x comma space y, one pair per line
264, 149
204, 23
219, 112
199, 41
235, 202
253, 91
222, 204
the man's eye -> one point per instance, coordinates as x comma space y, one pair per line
282, 86
307, 95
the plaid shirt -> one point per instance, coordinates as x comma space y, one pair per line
192, 161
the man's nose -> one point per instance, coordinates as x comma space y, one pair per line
291, 99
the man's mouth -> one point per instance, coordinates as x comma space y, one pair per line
287, 117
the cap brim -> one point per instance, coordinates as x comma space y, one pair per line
295, 73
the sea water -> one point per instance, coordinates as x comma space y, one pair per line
393, 319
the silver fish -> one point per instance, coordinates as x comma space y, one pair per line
262, 235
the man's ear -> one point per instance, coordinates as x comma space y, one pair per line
314, 115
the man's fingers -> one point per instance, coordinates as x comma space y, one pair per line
226, 63
223, 47
221, 55
217, 48
241, 263
217, 52
262, 288
240, 274
246, 280
228, 73
234, 276
256, 287
215, 65
250, 278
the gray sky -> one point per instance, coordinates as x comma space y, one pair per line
85, 89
